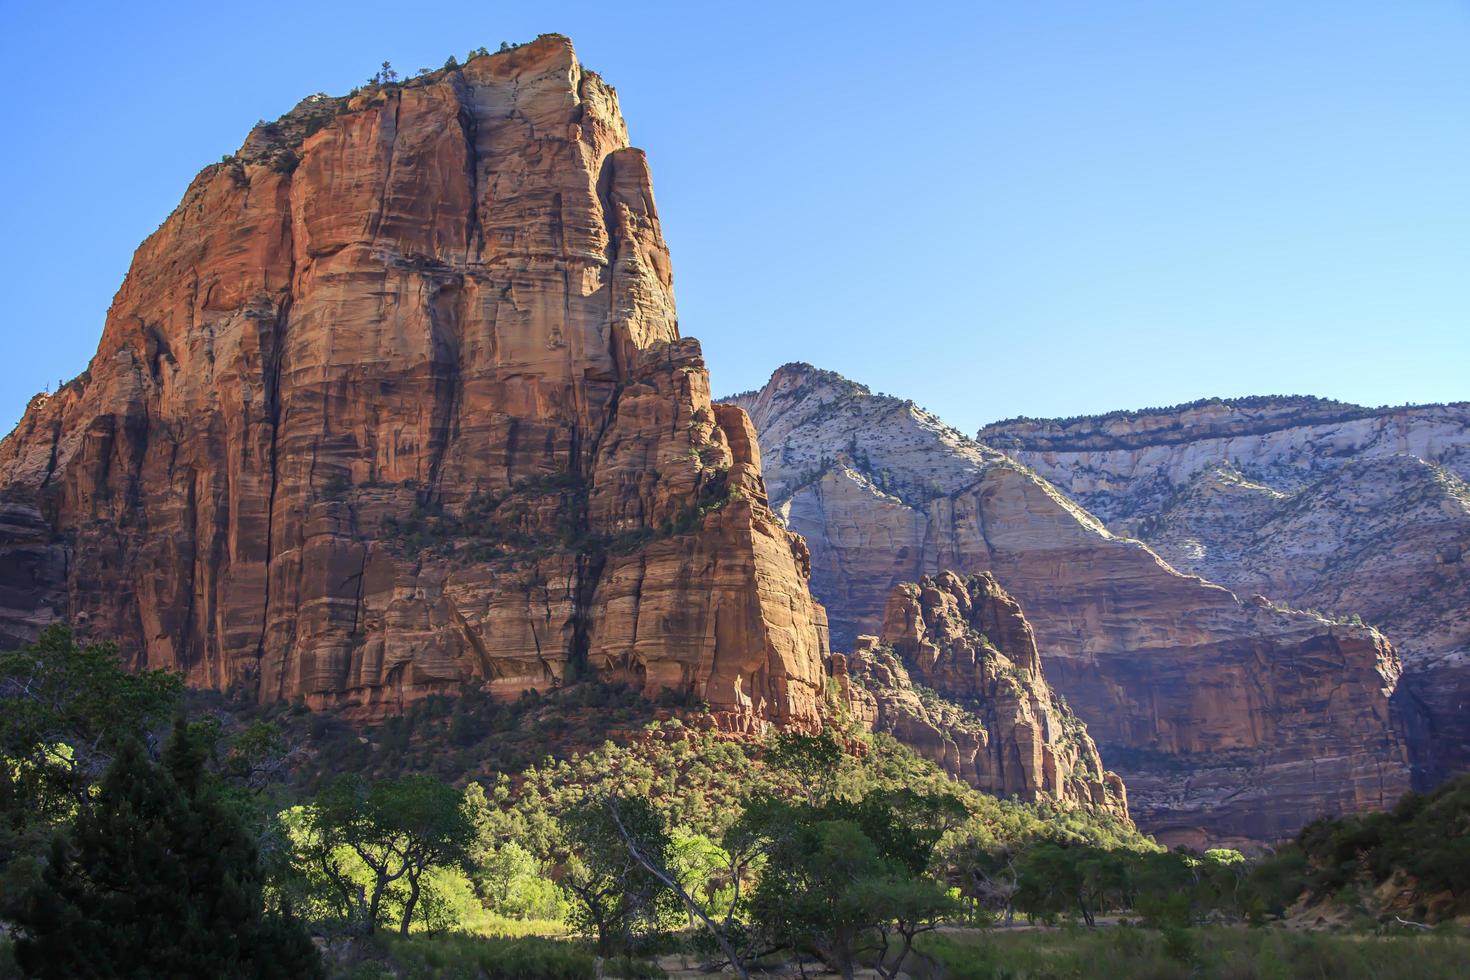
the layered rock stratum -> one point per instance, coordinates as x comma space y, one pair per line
396, 400
1228, 718
956, 675
1358, 512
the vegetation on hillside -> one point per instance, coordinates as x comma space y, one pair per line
1410, 863
588, 826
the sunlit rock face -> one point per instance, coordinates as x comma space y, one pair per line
396, 400
1355, 511
1228, 718
956, 675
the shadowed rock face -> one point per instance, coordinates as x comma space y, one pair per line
1354, 511
396, 399
1227, 719
956, 675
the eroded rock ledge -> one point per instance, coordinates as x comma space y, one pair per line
956, 675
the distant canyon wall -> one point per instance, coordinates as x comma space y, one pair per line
1227, 718
1358, 512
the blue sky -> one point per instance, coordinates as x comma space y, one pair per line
995, 208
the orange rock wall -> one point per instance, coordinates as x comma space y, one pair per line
396, 399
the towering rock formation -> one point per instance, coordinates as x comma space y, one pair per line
1354, 511
396, 399
1227, 719
956, 675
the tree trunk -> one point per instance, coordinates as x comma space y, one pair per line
377, 900
691, 907
883, 952
408, 906
888, 973
841, 956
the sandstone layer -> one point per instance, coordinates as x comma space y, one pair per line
1131, 462
1227, 719
396, 400
1357, 512
956, 675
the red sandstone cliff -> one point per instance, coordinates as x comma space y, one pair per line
396, 399
957, 676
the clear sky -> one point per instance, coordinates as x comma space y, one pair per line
995, 208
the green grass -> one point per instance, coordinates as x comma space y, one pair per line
462, 957
456, 956
504, 927
1223, 953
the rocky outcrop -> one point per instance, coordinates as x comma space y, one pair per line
1361, 513
956, 675
1227, 719
395, 400
861, 473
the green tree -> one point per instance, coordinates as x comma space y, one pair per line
907, 906
812, 896
628, 816
64, 711
506, 862
814, 761
987, 874
841, 870
394, 831
1058, 877
157, 878
608, 846
258, 756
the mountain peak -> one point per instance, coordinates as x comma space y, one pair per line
395, 402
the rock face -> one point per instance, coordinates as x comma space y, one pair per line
956, 675
395, 400
1127, 463
1227, 719
1357, 512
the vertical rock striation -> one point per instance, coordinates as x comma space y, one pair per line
396, 399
